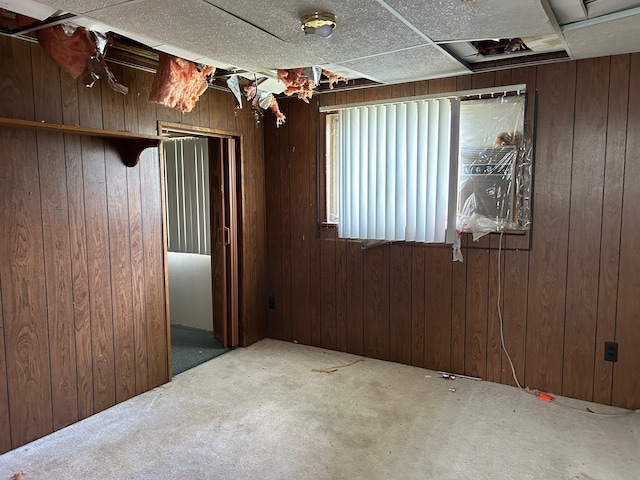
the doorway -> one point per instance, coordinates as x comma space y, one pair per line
202, 251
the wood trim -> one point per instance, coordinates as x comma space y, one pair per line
233, 275
165, 249
128, 144
230, 152
182, 129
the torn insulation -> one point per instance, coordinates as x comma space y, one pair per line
303, 81
298, 82
261, 100
80, 53
70, 51
333, 78
179, 83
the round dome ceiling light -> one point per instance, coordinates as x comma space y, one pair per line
318, 23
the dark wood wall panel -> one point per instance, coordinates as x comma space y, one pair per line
315, 309
113, 115
5, 425
57, 248
274, 221
140, 354
376, 302
79, 255
354, 291
251, 211
284, 301
559, 292
153, 261
328, 313
587, 178
611, 223
83, 321
514, 313
22, 258
341, 295
400, 294
418, 311
100, 293
98, 251
626, 374
141, 358
438, 297
477, 308
494, 348
458, 307
548, 271
301, 234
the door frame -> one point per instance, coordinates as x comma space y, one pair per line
181, 130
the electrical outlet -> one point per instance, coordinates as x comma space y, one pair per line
610, 351
272, 302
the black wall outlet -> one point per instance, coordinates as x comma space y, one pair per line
611, 351
272, 302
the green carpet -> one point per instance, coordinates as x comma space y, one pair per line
191, 347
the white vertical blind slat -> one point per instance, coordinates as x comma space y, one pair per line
381, 172
362, 213
187, 180
390, 210
394, 171
432, 167
412, 171
372, 174
421, 171
401, 172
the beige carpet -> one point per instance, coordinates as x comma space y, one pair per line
262, 413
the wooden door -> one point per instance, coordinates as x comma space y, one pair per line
224, 251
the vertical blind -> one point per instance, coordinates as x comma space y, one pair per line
186, 163
398, 171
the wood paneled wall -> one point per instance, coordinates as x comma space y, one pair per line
573, 288
82, 288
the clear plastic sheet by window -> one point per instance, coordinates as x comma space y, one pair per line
495, 157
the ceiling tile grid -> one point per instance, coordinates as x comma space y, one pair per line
388, 41
199, 27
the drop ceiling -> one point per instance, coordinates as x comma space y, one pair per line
388, 41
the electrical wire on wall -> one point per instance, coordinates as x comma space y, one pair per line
543, 396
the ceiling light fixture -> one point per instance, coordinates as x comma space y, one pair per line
318, 23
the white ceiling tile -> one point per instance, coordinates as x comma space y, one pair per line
363, 27
82, 6
450, 20
197, 26
214, 63
28, 8
371, 40
408, 65
179, 52
615, 36
567, 11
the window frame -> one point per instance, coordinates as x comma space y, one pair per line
514, 239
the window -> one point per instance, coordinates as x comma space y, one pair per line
419, 169
186, 170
